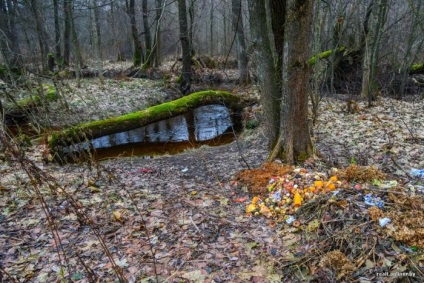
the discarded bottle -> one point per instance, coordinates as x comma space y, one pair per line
417, 173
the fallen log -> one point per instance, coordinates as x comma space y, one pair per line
99, 128
19, 110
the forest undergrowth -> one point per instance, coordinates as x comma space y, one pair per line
213, 214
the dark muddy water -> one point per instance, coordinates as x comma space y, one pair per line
211, 125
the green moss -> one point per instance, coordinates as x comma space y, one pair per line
23, 140
252, 123
49, 93
302, 156
137, 57
324, 54
12, 71
417, 67
179, 79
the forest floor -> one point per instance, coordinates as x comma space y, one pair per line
186, 217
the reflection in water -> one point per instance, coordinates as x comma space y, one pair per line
211, 121
205, 124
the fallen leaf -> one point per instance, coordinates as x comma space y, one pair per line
240, 199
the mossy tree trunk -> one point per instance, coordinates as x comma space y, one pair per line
138, 55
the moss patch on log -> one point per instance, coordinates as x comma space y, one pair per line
141, 118
48, 91
324, 55
18, 111
416, 69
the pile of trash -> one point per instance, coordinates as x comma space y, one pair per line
352, 224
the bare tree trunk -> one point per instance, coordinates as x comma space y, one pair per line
270, 96
372, 45
191, 26
96, 38
242, 58
157, 46
76, 49
211, 29
9, 44
409, 58
225, 30
278, 17
147, 36
186, 50
115, 50
41, 34
67, 11
56, 30
285, 107
138, 49
296, 142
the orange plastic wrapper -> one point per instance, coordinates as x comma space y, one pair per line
297, 200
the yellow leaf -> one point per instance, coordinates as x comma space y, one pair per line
250, 208
318, 183
330, 186
119, 215
333, 178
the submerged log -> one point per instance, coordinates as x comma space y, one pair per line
95, 129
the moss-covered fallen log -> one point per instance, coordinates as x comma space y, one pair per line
18, 110
141, 118
325, 54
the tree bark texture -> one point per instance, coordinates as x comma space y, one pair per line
138, 48
57, 41
67, 11
294, 127
9, 44
238, 28
285, 105
372, 45
96, 38
278, 17
147, 36
157, 46
41, 34
267, 74
185, 85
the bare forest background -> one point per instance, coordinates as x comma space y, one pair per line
75, 33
